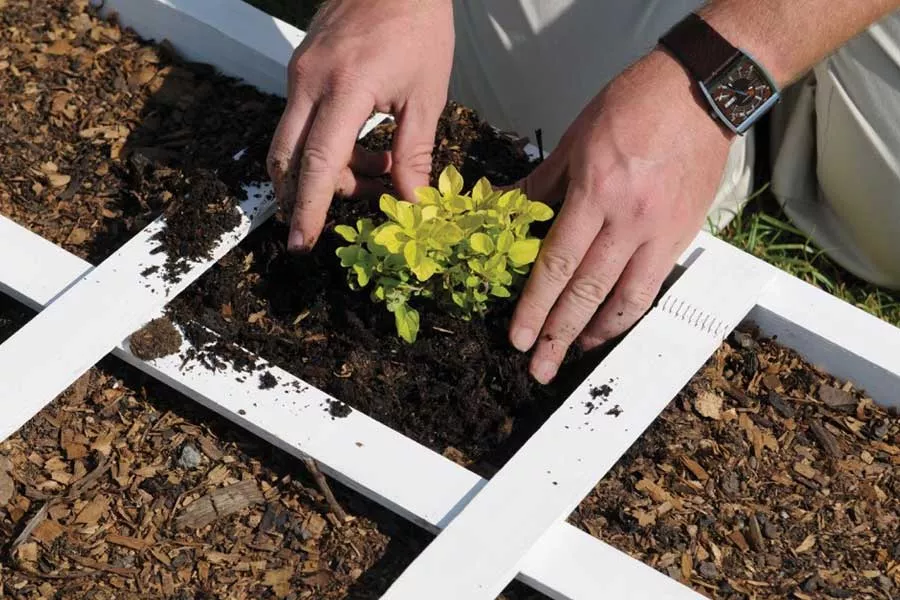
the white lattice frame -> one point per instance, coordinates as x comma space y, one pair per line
720, 284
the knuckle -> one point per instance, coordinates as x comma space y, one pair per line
343, 79
559, 265
590, 290
636, 302
315, 161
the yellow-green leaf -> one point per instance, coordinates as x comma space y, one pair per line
481, 191
470, 222
450, 183
407, 320
405, 215
425, 269
429, 212
500, 291
505, 241
386, 235
524, 252
346, 232
388, 205
540, 211
413, 254
481, 243
428, 196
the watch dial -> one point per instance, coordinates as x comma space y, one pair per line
740, 91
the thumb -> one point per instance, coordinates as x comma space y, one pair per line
412, 148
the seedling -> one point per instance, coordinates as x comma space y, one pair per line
464, 251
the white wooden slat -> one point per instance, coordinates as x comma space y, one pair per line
385, 466
481, 550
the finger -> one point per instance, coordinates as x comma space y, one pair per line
368, 163
283, 156
587, 290
633, 296
413, 145
353, 185
568, 240
328, 150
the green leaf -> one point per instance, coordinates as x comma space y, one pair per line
388, 205
413, 254
349, 255
458, 299
472, 281
540, 211
481, 243
407, 320
346, 232
505, 241
450, 183
524, 252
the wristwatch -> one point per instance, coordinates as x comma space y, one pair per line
738, 88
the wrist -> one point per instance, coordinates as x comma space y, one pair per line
683, 91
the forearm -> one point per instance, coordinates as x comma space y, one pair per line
789, 37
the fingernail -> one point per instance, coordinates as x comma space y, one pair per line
522, 338
544, 371
295, 241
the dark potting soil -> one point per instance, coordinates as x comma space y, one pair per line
460, 386
202, 211
156, 339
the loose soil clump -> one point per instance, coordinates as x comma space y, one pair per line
764, 478
156, 339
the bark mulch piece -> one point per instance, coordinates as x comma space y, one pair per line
764, 478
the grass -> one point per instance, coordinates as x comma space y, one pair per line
761, 228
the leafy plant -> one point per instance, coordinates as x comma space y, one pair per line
462, 250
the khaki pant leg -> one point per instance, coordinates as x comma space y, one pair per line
836, 154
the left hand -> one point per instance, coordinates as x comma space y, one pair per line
638, 171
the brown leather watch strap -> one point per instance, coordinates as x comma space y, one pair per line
699, 47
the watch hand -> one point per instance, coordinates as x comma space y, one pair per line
744, 94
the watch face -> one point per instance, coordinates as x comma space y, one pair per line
740, 91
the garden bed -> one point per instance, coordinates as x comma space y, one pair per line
764, 478
702, 496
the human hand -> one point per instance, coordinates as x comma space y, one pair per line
358, 56
638, 171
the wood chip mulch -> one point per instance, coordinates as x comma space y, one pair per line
123, 488
764, 478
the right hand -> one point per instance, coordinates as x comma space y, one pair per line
359, 55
